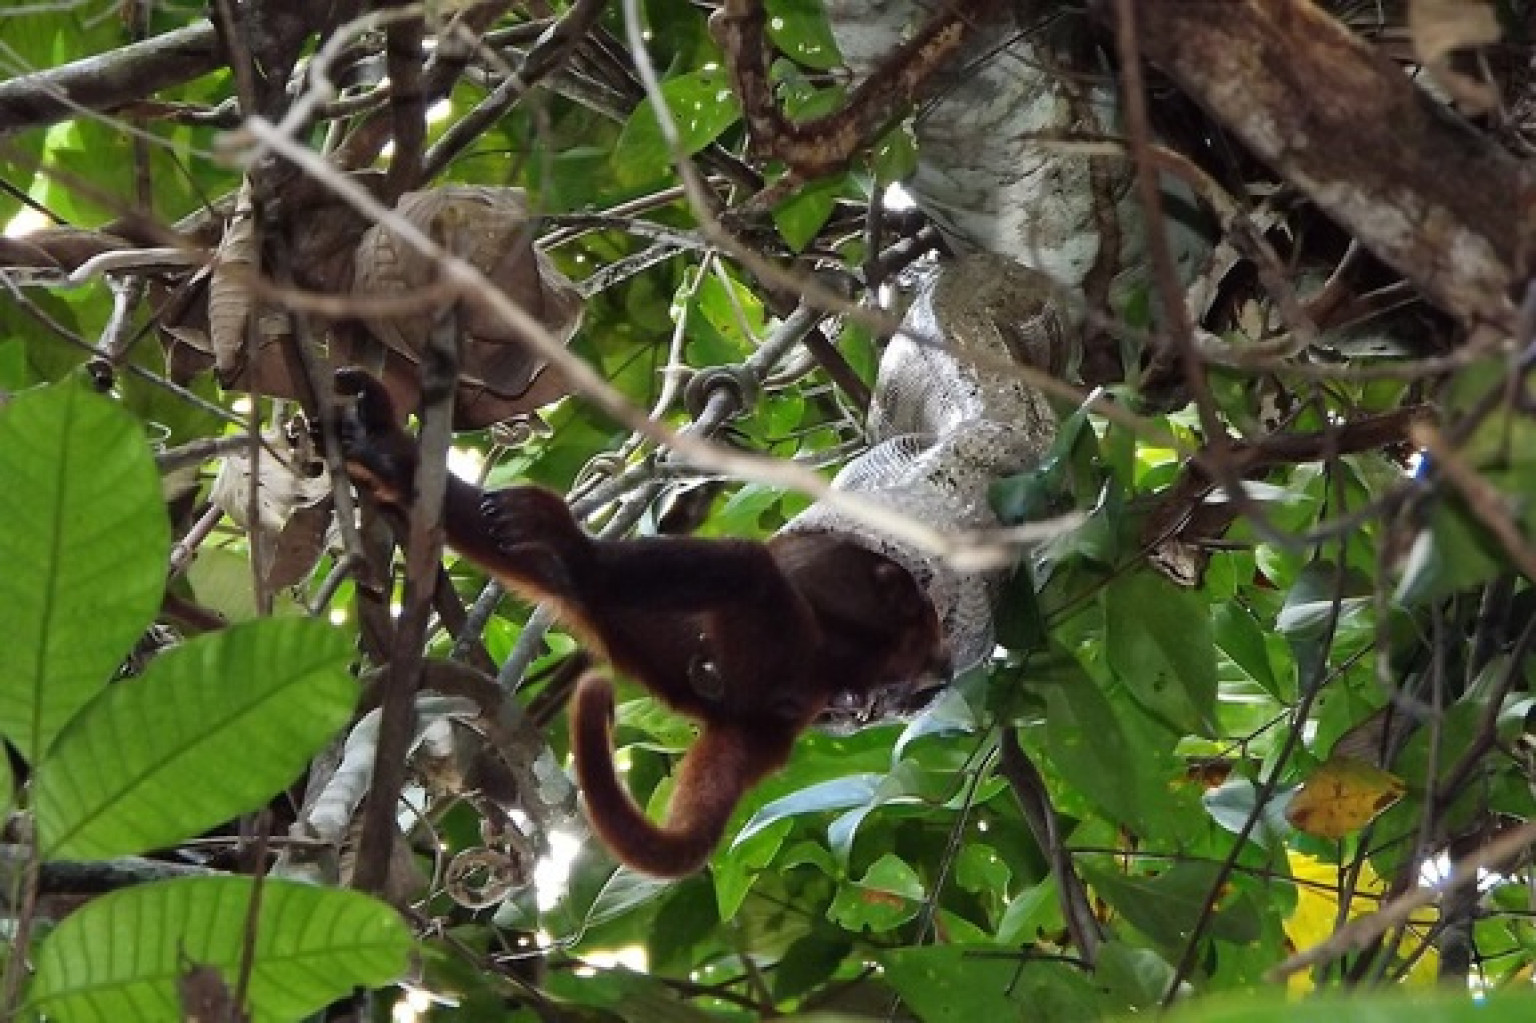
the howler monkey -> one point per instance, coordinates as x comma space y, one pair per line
750, 639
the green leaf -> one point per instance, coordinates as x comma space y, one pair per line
1166, 907
84, 541
949, 714
802, 98
1239, 636
15, 374
810, 961
118, 957
7, 785
735, 870
624, 891
221, 579
979, 868
620, 994
1310, 603
1136, 976
181, 420
83, 149
687, 918
800, 30
1419, 1006
1232, 803
1019, 621
702, 105
212, 729
890, 874
1034, 911
953, 984
1114, 755
733, 310
803, 214
1446, 557
1158, 640
895, 155
837, 794
888, 895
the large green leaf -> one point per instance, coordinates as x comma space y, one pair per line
802, 216
1134, 976
810, 961
118, 958
702, 106
211, 730
1167, 907
1451, 554
1238, 633
1114, 754
1158, 640
1391, 1007
835, 794
953, 983
7, 785
84, 542
889, 894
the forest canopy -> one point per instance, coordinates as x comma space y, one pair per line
1174, 351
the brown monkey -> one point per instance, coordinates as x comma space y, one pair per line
750, 639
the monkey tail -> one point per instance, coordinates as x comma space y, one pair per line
715, 773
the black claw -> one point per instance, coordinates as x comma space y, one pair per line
373, 409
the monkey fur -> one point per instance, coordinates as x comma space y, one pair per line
751, 639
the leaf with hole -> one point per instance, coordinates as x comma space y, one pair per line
702, 106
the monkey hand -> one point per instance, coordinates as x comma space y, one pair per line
380, 456
533, 529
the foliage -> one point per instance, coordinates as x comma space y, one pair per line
147, 764
1236, 768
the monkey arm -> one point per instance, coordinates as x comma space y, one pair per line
527, 538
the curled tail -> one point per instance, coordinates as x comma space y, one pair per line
714, 775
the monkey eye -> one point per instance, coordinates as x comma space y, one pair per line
847, 701
704, 677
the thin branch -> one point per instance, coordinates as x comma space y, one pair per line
975, 551
1029, 789
423, 560
1359, 933
1484, 500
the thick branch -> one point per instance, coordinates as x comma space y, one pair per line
1421, 189
826, 144
1029, 788
102, 83
1181, 509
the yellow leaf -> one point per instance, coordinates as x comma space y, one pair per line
1317, 913
1342, 796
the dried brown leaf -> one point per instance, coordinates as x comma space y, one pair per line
1439, 28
